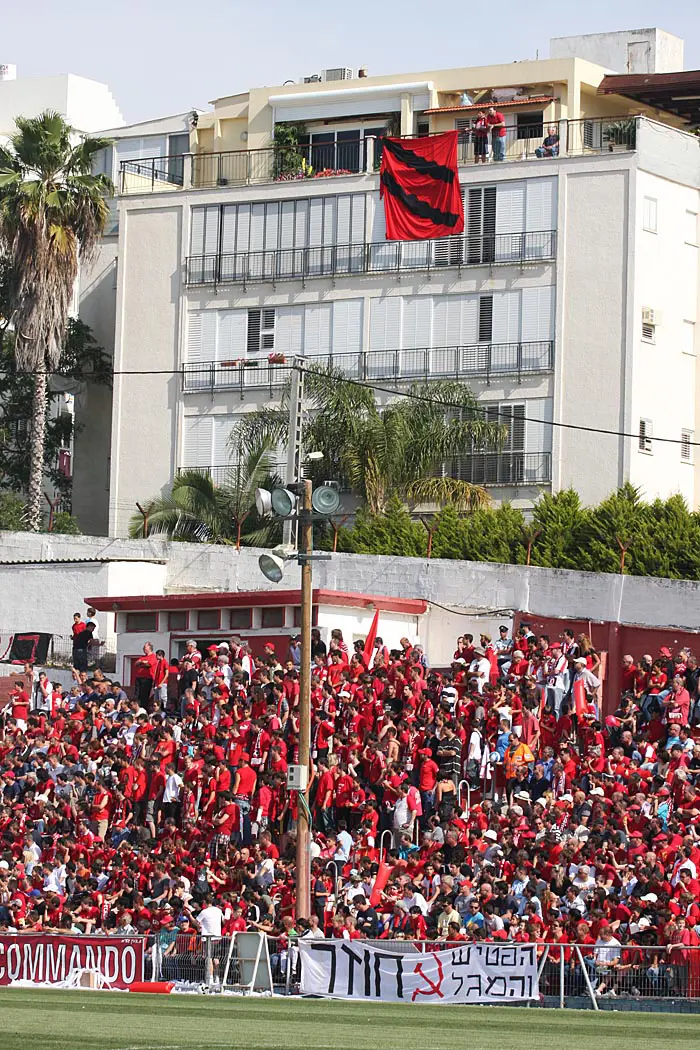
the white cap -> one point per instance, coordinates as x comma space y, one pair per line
490, 834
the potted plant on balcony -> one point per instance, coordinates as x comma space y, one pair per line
620, 134
289, 157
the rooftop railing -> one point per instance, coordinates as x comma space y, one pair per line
308, 161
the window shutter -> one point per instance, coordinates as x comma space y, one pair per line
231, 334
537, 313
357, 224
383, 254
209, 334
385, 323
343, 218
506, 317
645, 435
316, 222
510, 207
257, 227
253, 332
289, 330
539, 213
286, 234
228, 228
197, 231
317, 328
347, 328
211, 230
485, 318
197, 441
193, 353
222, 427
417, 324
687, 445
301, 224
243, 228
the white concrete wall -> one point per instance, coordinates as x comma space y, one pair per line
629, 51
664, 377
355, 623
488, 590
86, 104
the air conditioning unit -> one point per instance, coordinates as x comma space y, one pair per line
315, 78
650, 316
340, 73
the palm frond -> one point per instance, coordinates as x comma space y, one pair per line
446, 490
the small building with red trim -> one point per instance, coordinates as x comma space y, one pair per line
256, 617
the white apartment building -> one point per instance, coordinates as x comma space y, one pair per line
570, 299
86, 104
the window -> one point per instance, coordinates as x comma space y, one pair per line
422, 128
530, 125
688, 338
272, 617
480, 224
485, 318
645, 435
261, 331
687, 446
178, 621
649, 214
241, 619
208, 619
142, 621
648, 332
691, 227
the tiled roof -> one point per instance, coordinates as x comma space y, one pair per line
532, 100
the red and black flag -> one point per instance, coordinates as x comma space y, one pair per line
420, 188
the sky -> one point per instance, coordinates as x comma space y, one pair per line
164, 58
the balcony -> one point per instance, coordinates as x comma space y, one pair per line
504, 468
479, 361
287, 264
489, 469
336, 159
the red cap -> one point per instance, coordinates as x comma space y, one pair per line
665, 651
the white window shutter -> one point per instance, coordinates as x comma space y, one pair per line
222, 426
510, 207
257, 227
301, 224
417, 322
228, 229
287, 224
231, 336
197, 441
344, 218
357, 225
347, 326
383, 253
506, 317
197, 231
272, 222
211, 230
243, 228
540, 213
316, 222
289, 330
537, 313
385, 323
193, 353
317, 328
209, 328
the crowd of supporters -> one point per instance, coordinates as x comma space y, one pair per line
490, 801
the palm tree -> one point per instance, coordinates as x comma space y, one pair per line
53, 211
400, 449
199, 511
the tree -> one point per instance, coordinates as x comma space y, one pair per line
391, 532
53, 211
398, 450
614, 529
200, 511
81, 357
558, 523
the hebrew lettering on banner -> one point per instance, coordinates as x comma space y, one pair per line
469, 973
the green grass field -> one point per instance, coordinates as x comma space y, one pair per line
46, 1020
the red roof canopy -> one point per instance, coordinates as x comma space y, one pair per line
245, 599
478, 106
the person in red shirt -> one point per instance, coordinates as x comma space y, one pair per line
144, 672
496, 123
19, 705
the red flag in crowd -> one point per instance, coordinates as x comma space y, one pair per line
369, 641
419, 184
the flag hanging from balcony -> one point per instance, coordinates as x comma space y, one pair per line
419, 185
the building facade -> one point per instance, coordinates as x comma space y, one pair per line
569, 304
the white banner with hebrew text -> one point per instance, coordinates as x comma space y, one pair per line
464, 973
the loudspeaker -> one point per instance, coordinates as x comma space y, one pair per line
29, 648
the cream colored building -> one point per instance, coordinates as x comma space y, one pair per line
571, 297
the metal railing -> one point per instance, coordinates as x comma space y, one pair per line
482, 468
503, 468
284, 264
479, 360
331, 159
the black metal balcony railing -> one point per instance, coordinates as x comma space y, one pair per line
353, 157
480, 360
282, 264
480, 468
504, 468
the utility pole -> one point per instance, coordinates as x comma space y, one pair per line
303, 857
294, 448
